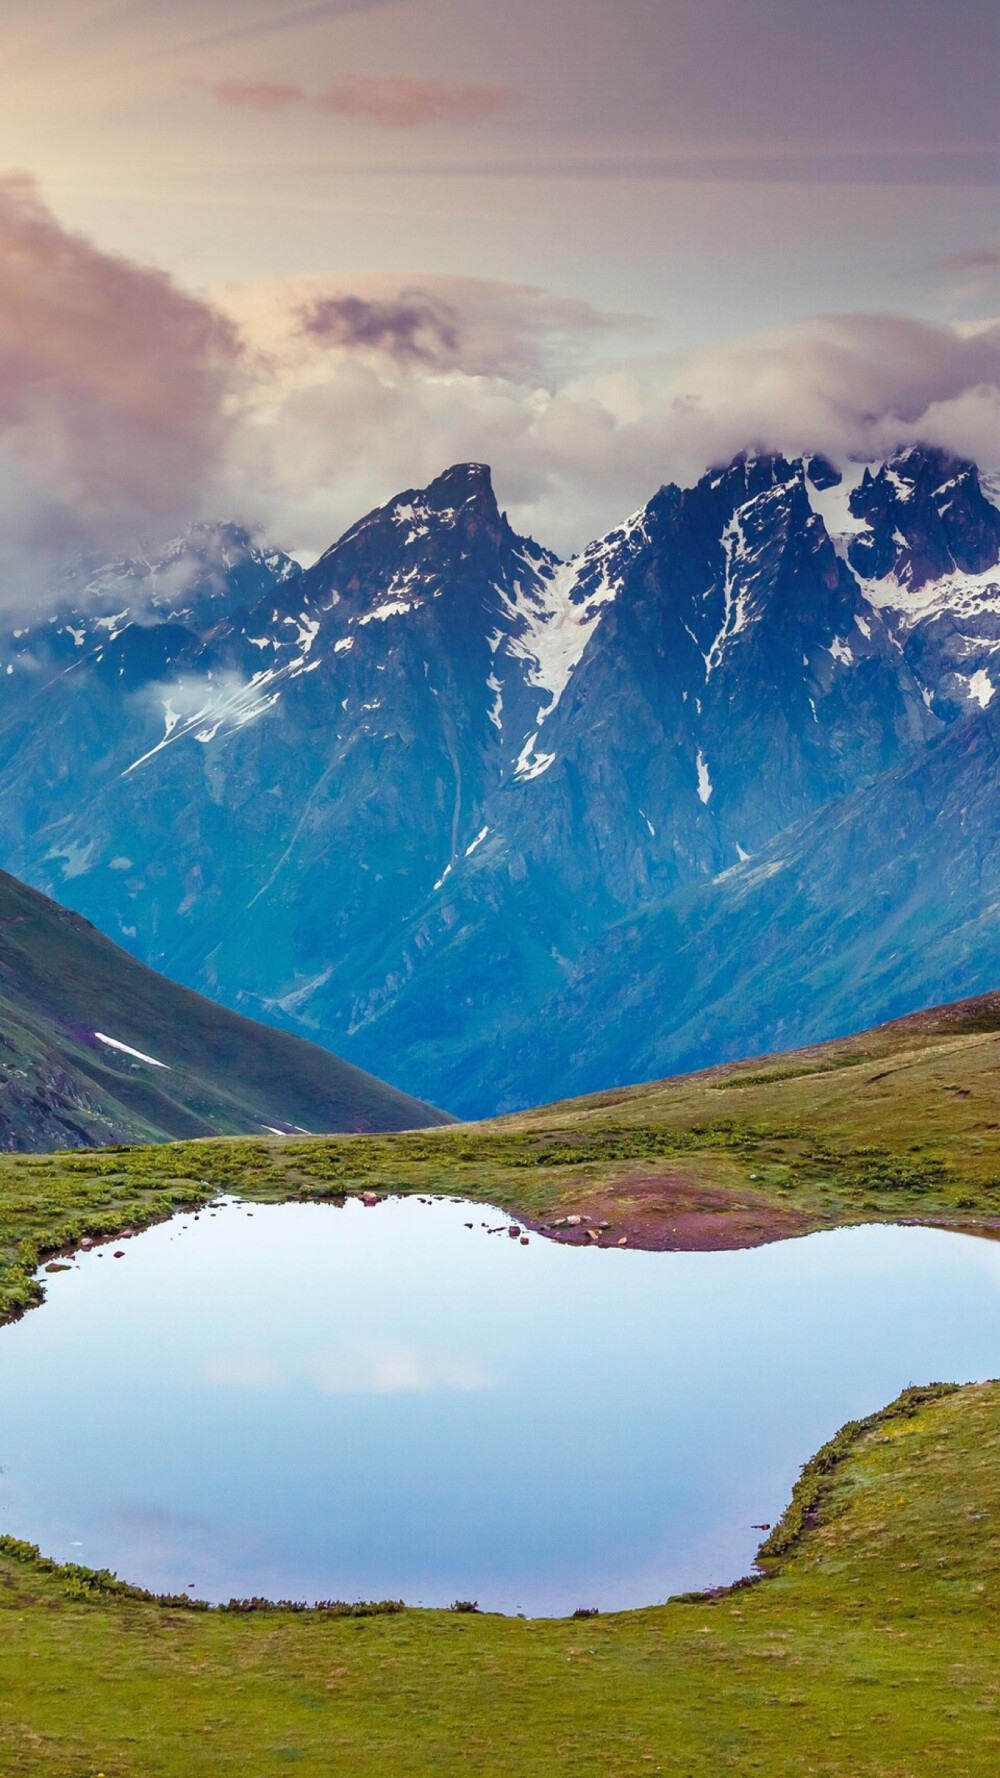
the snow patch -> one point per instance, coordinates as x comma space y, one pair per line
832, 505
956, 593
531, 764
391, 608
981, 688
113, 1043
734, 612
561, 605
704, 781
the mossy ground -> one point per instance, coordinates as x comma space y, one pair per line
872, 1652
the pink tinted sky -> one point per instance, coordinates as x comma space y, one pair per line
548, 233
718, 165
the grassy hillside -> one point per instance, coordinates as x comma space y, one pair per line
61, 983
899, 1123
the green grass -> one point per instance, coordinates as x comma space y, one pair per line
872, 1648
872, 1652
899, 1124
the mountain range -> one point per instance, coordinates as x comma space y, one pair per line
500, 826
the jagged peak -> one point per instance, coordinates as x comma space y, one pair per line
461, 483
462, 489
753, 470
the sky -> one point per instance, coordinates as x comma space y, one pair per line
598, 243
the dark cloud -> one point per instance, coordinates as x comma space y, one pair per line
397, 101
480, 326
114, 390
412, 328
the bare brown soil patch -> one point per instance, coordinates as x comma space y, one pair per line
665, 1212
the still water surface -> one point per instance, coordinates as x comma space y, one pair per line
309, 1402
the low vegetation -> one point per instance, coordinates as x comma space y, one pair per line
902, 1123
869, 1648
871, 1651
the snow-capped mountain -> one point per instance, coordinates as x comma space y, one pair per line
923, 538
396, 800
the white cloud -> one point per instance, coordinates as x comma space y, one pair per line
387, 1369
115, 394
128, 408
575, 445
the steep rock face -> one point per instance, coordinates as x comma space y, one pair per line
881, 903
737, 679
399, 800
924, 539
80, 690
240, 803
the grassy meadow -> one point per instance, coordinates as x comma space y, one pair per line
870, 1650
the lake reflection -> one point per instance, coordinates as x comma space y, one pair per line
309, 1402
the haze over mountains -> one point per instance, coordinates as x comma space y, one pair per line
74, 1011
501, 827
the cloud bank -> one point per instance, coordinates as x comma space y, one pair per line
130, 409
378, 389
115, 393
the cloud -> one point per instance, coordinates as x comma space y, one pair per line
115, 394
129, 409
364, 407
478, 326
402, 102
396, 101
258, 95
387, 1369
366, 1368
413, 327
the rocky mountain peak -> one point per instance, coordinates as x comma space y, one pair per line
924, 517
461, 485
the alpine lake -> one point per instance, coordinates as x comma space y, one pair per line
312, 1401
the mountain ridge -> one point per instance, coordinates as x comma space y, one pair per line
399, 800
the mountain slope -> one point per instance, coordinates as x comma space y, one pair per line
737, 680
882, 902
97, 1049
401, 801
